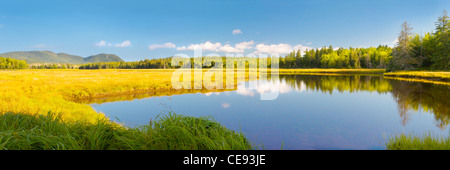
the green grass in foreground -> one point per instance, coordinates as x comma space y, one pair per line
168, 132
409, 142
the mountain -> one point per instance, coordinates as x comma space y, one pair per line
43, 57
102, 58
51, 57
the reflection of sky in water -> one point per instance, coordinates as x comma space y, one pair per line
300, 118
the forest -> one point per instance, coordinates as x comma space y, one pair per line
430, 51
7, 63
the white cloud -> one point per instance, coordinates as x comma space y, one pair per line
279, 48
165, 45
390, 44
302, 48
393, 43
218, 47
207, 46
211, 46
273, 49
308, 43
237, 31
229, 49
126, 43
245, 45
101, 43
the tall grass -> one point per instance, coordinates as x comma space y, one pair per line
60, 91
172, 131
410, 142
444, 76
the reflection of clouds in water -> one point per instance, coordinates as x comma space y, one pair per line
226, 105
212, 93
261, 87
264, 86
245, 91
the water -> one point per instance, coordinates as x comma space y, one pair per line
310, 112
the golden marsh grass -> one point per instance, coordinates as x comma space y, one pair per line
62, 91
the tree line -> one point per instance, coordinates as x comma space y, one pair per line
7, 63
177, 62
53, 66
161, 63
327, 57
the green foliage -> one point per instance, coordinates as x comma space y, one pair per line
166, 63
143, 64
327, 57
178, 132
174, 132
410, 142
428, 52
53, 66
7, 63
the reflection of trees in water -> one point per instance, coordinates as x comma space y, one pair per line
423, 96
410, 96
341, 83
400, 94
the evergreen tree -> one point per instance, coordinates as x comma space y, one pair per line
441, 60
402, 52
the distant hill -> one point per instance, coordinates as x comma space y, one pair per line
51, 57
102, 58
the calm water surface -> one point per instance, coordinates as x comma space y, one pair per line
310, 112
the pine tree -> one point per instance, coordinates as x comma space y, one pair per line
441, 58
402, 52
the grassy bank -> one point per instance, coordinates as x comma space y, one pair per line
427, 75
442, 78
60, 91
169, 132
410, 142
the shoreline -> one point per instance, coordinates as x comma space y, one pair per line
440, 77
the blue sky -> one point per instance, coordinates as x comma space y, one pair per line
136, 30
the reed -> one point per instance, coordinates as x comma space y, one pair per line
63, 91
430, 75
175, 132
411, 142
